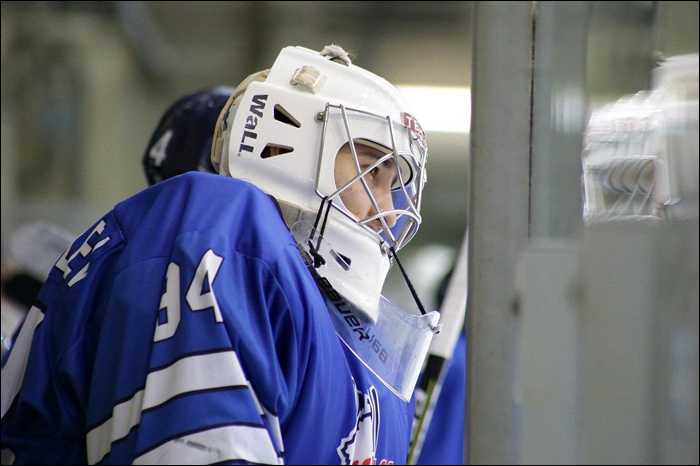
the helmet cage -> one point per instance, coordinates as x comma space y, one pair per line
403, 146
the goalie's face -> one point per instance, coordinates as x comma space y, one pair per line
379, 179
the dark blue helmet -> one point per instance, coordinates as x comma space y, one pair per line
182, 140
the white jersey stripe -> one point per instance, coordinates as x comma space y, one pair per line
247, 443
13, 372
191, 374
271, 419
276, 430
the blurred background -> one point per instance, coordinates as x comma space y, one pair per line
85, 83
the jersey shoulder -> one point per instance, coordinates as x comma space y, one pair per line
247, 218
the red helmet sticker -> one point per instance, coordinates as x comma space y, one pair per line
412, 123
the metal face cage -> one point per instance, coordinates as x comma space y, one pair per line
408, 151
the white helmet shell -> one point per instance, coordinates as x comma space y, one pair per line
306, 108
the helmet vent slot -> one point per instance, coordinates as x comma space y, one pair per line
273, 150
346, 259
284, 116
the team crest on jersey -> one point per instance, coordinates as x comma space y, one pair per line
360, 446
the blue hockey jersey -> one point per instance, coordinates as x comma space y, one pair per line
184, 328
444, 441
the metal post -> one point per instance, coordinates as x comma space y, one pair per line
498, 217
559, 118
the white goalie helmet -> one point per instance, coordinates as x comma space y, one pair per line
283, 128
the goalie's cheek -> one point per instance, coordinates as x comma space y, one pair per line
356, 201
386, 204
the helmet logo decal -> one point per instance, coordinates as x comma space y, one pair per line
251, 122
351, 314
412, 123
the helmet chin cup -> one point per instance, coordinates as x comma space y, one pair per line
388, 341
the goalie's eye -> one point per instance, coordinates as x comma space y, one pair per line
383, 174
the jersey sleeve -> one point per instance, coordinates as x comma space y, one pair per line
45, 381
212, 388
196, 357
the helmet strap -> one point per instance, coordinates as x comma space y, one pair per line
408, 281
318, 259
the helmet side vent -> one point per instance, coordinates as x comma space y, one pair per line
284, 116
273, 150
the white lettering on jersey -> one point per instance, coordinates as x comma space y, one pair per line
170, 301
63, 263
197, 299
207, 270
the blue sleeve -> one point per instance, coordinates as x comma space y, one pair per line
444, 441
45, 382
191, 357
210, 387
